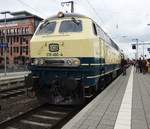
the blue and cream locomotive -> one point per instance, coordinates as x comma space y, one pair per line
72, 58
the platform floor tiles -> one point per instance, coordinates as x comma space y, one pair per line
124, 104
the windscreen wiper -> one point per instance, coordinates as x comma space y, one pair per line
75, 21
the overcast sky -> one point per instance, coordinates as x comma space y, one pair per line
123, 20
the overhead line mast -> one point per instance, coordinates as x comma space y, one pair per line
67, 3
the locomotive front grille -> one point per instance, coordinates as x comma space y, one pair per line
55, 62
61, 62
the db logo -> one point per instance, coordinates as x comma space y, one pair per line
53, 47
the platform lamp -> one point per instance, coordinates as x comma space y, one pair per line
5, 41
148, 25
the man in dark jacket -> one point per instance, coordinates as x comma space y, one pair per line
140, 65
123, 66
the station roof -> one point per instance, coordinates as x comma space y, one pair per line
20, 15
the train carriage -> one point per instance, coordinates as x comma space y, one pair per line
72, 58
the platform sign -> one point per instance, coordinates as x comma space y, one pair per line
148, 49
3, 45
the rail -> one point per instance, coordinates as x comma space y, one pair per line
43, 116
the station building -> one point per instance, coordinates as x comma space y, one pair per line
19, 31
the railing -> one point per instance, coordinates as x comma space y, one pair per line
7, 83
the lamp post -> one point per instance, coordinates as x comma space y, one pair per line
143, 47
5, 41
137, 45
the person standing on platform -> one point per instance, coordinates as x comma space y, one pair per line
137, 65
123, 66
140, 65
143, 66
147, 65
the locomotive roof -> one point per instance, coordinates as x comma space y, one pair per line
69, 15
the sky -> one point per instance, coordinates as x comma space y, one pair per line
122, 20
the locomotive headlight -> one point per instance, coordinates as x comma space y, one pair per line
72, 62
41, 61
76, 62
69, 62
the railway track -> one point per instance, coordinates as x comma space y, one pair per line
12, 92
43, 117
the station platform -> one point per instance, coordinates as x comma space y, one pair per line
13, 75
124, 104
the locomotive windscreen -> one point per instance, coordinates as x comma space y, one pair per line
46, 28
71, 26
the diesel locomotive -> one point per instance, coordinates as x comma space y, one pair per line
71, 59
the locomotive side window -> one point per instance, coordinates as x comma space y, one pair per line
71, 26
46, 28
94, 29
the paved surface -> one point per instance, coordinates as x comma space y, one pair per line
125, 104
141, 102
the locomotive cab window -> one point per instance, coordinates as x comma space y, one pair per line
71, 26
46, 28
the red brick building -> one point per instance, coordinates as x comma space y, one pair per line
19, 31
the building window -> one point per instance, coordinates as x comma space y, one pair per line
7, 39
14, 49
17, 49
1, 40
27, 51
17, 30
7, 32
14, 39
7, 50
20, 40
11, 31
20, 50
23, 30
23, 39
11, 40
11, 51
2, 51
27, 41
17, 39
24, 49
